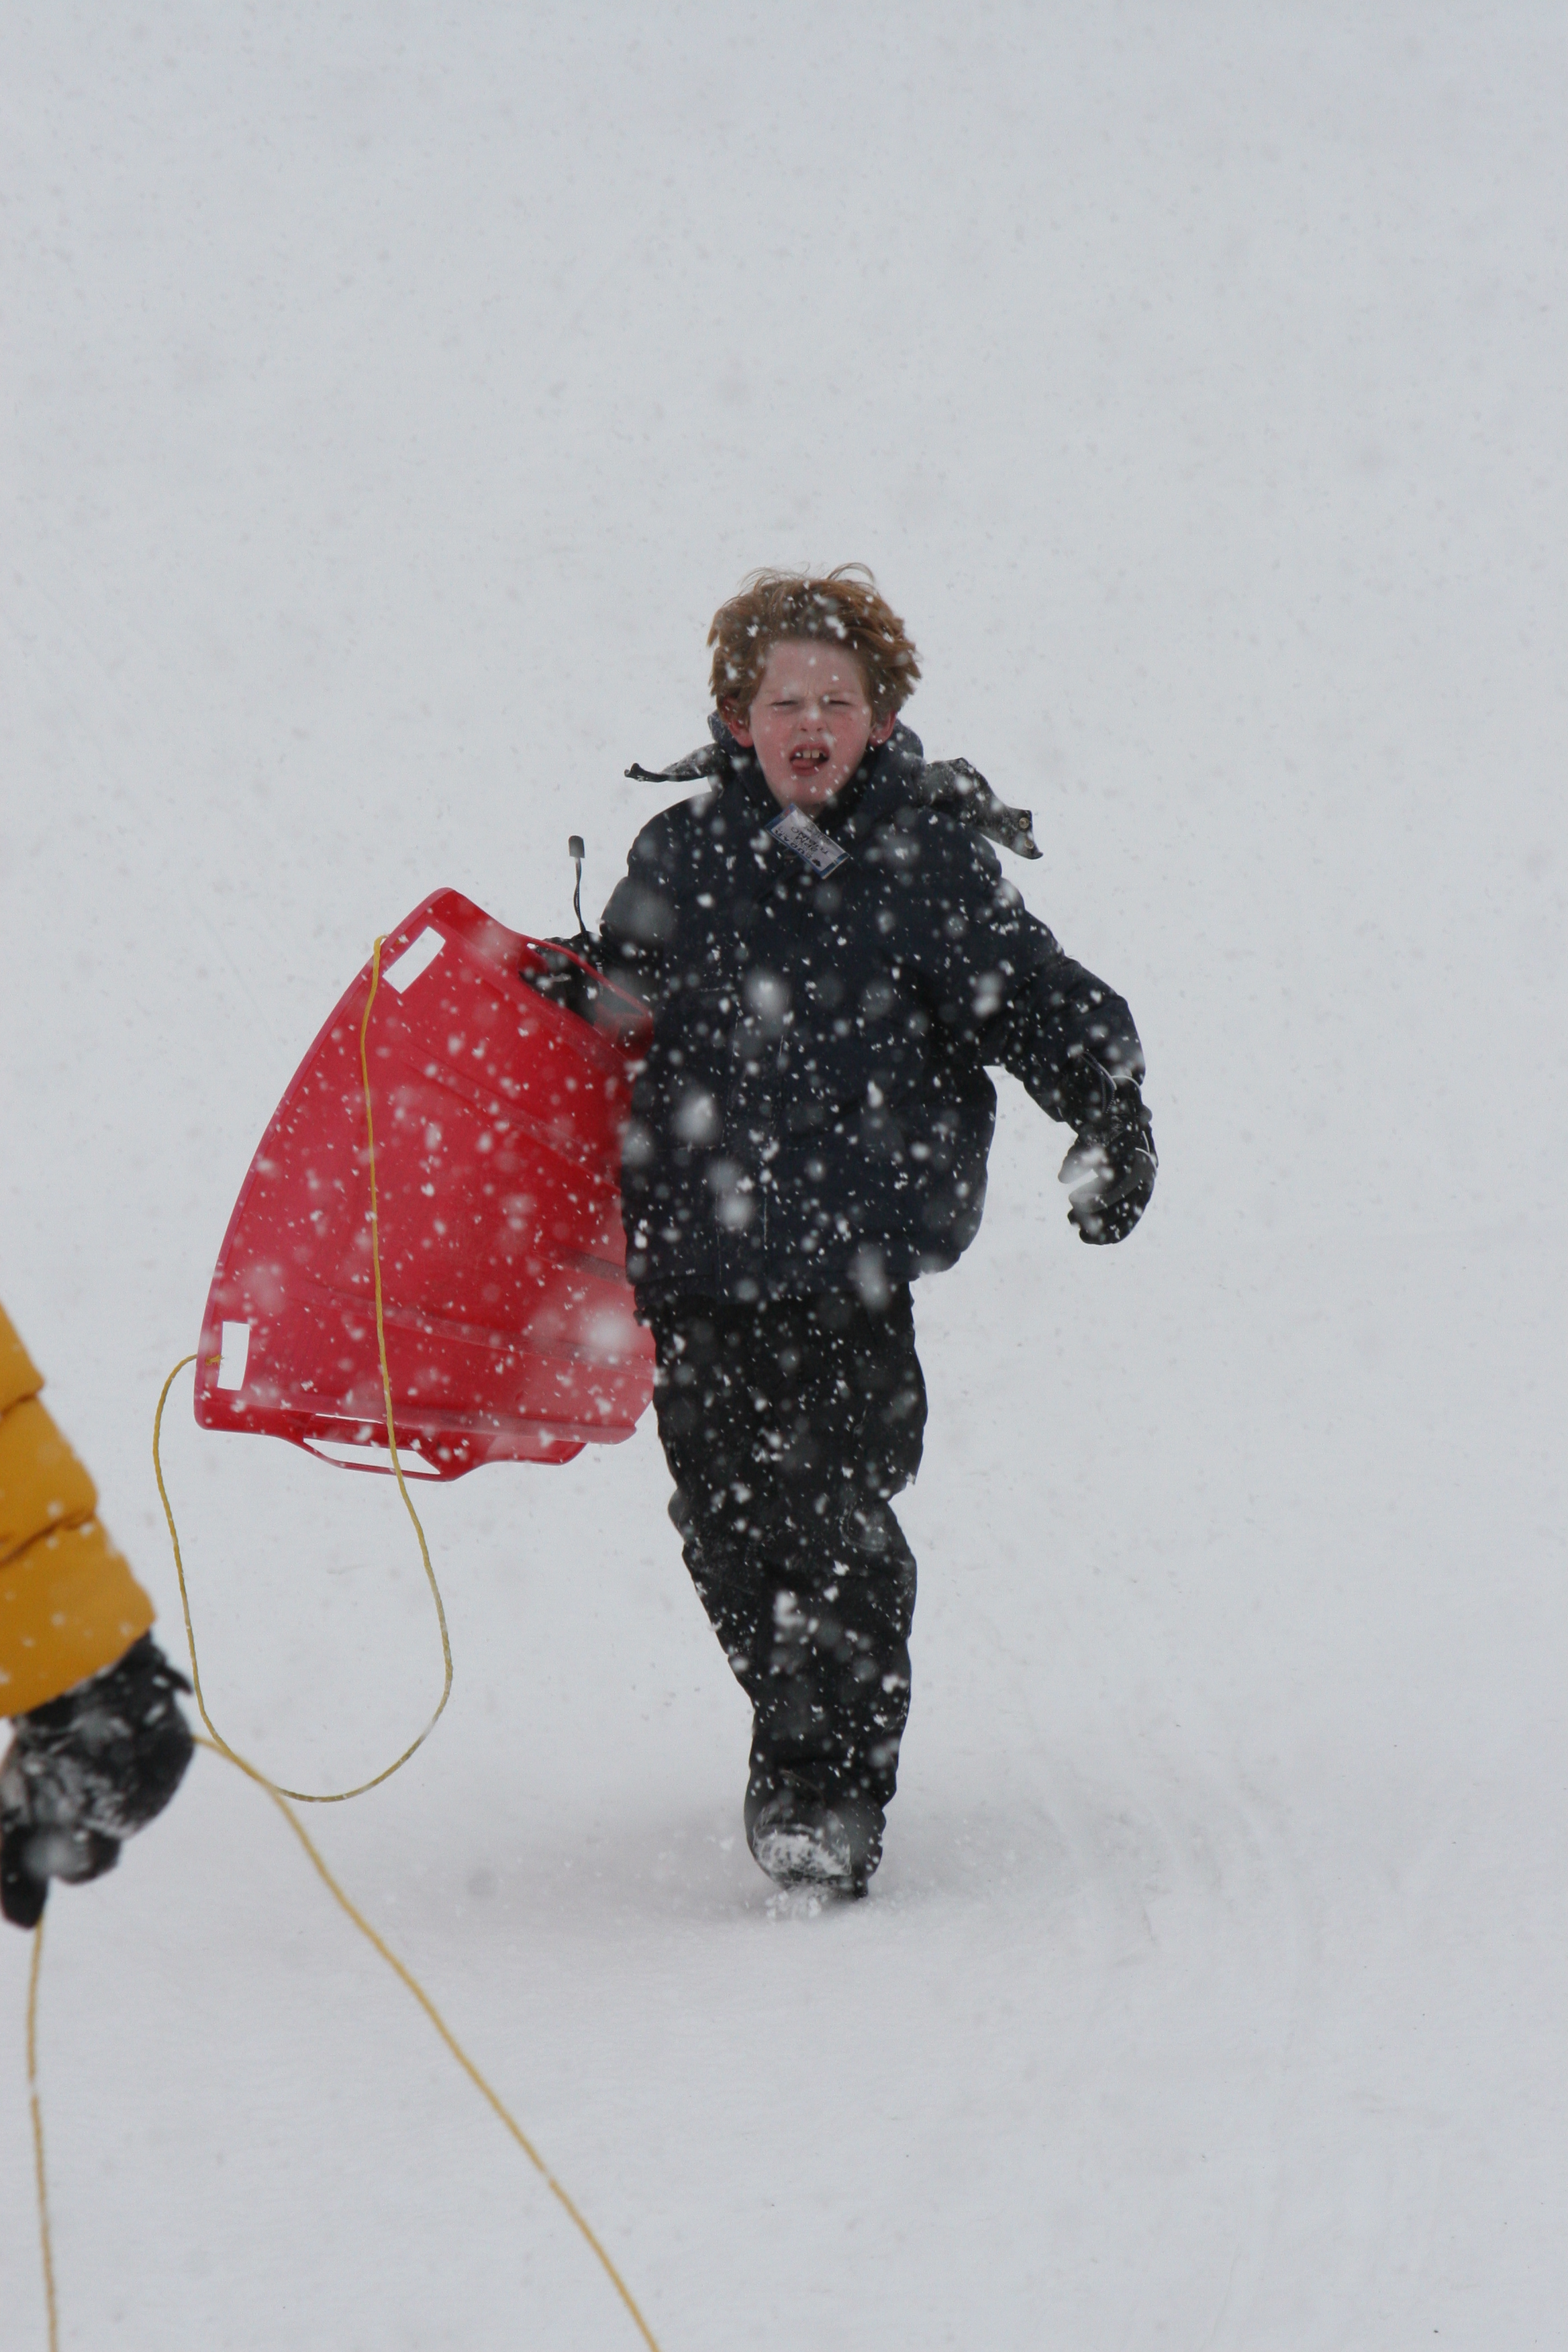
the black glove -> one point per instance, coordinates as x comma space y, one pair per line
86, 1772
564, 980
1109, 1172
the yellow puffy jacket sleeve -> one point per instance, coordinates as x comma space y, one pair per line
68, 1603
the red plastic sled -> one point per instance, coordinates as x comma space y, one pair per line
498, 1116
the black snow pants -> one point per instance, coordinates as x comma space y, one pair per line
788, 1427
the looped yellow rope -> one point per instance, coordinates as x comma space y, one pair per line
219, 1746
336, 1795
405, 1977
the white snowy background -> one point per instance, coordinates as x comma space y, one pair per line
391, 395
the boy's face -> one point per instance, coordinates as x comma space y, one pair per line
810, 723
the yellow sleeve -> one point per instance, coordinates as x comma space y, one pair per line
69, 1605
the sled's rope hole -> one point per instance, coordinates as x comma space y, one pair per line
336, 1795
405, 1977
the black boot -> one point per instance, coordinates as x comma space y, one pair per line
801, 1837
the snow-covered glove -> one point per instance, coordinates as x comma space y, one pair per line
1109, 1172
84, 1772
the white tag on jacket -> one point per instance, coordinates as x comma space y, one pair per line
808, 841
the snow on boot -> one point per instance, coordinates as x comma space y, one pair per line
801, 1838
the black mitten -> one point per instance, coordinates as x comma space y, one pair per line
84, 1772
1109, 1172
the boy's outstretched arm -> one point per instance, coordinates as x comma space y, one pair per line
1066, 1036
1071, 1042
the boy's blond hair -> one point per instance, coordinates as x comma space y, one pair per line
842, 607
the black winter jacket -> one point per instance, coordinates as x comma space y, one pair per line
814, 1108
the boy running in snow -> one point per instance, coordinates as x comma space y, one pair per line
831, 956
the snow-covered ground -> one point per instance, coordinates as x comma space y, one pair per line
391, 394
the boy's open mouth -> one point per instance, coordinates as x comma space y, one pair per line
815, 757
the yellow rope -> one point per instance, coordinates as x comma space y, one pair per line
405, 1977
46, 2241
337, 1795
219, 1746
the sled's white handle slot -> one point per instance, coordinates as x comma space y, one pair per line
235, 1357
414, 960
